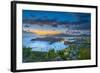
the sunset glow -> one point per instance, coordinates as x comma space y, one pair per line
44, 32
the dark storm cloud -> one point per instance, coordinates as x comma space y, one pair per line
49, 17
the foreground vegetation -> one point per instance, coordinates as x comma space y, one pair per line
73, 52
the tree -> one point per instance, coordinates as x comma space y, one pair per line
64, 54
51, 54
26, 52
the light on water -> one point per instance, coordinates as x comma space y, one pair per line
46, 46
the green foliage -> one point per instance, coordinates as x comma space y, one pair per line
27, 52
87, 40
61, 54
85, 50
51, 54
80, 51
64, 54
28, 55
84, 53
72, 46
33, 56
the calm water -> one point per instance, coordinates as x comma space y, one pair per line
41, 45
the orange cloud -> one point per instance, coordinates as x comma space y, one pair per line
44, 32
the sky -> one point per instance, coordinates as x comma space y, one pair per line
82, 19
58, 16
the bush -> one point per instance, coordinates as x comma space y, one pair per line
84, 53
26, 52
64, 54
51, 54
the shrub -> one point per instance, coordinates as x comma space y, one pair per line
51, 54
27, 52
